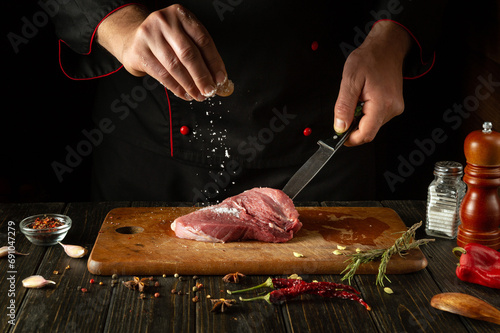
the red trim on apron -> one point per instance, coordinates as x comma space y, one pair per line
170, 119
90, 47
419, 46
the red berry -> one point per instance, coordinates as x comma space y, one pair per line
92, 281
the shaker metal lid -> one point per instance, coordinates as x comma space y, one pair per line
448, 168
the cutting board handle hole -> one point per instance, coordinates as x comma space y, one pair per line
129, 230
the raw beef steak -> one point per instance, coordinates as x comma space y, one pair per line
263, 214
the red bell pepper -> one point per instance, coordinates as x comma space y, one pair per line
479, 264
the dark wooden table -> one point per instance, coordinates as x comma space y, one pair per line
63, 308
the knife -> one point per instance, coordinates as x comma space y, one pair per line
318, 160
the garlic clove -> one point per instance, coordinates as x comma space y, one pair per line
36, 281
74, 251
4, 251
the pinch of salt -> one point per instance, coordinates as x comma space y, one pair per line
36, 281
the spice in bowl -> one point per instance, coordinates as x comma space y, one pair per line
45, 229
45, 223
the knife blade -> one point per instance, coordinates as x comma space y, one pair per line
318, 160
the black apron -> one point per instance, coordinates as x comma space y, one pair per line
285, 59
286, 62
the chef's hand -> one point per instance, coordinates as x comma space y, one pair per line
170, 44
373, 74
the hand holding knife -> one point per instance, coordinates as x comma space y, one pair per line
316, 162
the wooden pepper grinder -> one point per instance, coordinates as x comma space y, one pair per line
480, 208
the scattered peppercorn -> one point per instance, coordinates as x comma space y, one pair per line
55, 272
195, 277
195, 299
101, 283
173, 291
114, 276
164, 275
68, 267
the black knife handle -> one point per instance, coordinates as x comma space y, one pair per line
339, 139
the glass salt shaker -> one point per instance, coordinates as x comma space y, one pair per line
445, 195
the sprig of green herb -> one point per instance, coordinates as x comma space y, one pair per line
401, 246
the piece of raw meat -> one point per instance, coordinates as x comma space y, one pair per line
263, 214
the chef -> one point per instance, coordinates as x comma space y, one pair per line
297, 69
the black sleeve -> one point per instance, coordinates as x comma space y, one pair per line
75, 25
422, 19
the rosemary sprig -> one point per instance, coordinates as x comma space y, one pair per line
401, 246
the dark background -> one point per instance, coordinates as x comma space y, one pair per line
44, 111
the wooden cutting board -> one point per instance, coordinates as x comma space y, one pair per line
139, 241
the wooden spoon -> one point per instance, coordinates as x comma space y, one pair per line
467, 306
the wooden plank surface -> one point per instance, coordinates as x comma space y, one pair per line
118, 309
63, 307
441, 272
23, 266
138, 240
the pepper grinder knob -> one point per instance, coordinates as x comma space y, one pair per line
480, 207
487, 126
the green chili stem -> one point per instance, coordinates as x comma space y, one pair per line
267, 283
256, 298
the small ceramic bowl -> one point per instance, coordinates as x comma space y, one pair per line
46, 234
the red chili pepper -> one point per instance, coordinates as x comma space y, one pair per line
344, 295
292, 288
479, 264
278, 283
